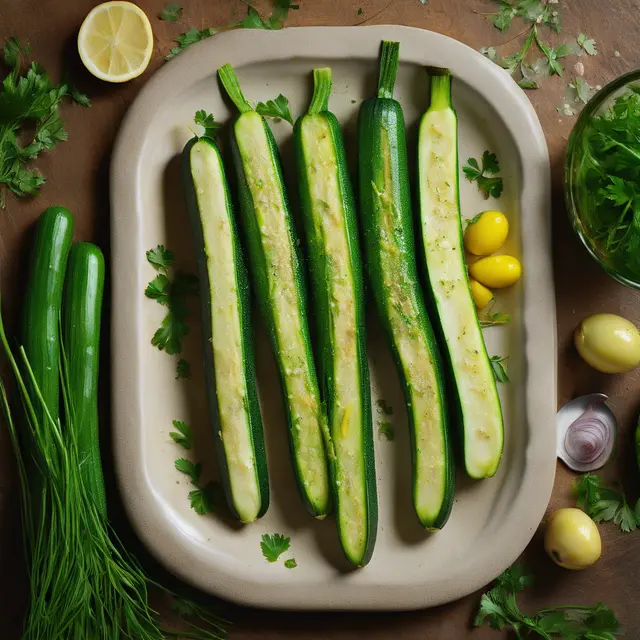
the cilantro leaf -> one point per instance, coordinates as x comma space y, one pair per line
273, 546
278, 108
79, 98
494, 319
158, 289
168, 337
620, 192
490, 166
202, 498
588, 45
183, 369
207, 122
188, 38
290, 563
499, 370
553, 55
171, 13
160, 258
13, 51
503, 19
183, 434
387, 430
582, 89
191, 469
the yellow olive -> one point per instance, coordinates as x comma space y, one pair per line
480, 294
608, 343
572, 539
486, 234
496, 272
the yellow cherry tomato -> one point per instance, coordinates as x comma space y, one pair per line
480, 294
608, 343
496, 272
572, 539
486, 234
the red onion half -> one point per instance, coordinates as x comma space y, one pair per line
586, 433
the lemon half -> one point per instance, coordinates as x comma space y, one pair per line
115, 41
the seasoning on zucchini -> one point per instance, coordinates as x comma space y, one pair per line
391, 262
471, 374
228, 348
84, 284
279, 284
330, 224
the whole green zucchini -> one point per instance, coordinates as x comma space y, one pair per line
471, 373
391, 263
227, 333
274, 263
84, 286
330, 224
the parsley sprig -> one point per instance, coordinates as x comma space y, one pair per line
605, 504
171, 293
202, 498
488, 182
499, 609
274, 545
278, 108
30, 121
499, 370
171, 13
495, 319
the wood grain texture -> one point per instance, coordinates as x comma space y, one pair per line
77, 175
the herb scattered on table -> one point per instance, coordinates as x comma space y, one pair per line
383, 407
588, 45
183, 434
499, 609
494, 319
273, 546
29, 119
290, 563
605, 504
208, 122
489, 186
202, 498
183, 369
171, 13
360, 11
171, 293
387, 430
499, 371
278, 108
253, 20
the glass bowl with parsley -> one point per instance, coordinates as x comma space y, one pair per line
602, 178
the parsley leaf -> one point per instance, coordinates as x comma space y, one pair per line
188, 38
171, 13
503, 19
290, 563
588, 45
582, 90
168, 337
473, 172
278, 108
202, 498
208, 122
499, 370
191, 469
160, 258
158, 289
273, 546
383, 407
13, 51
183, 369
183, 434
387, 430
494, 319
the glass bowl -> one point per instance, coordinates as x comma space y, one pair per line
608, 228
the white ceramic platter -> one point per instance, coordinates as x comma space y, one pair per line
492, 520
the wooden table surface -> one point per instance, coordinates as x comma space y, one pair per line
77, 174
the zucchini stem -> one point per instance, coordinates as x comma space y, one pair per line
231, 85
321, 91
389, 55
440, 88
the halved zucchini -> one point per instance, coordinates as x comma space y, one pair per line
391, 263
228, 347
330, 224
279, 284
471, 373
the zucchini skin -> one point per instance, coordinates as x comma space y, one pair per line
380, 124
258, 267
243, 295
321, 290
84, 287
43, 303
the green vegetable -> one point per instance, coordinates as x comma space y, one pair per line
29, 120
203, 496
473, 386
385, 207
81, 331
276, 270
499, 609
278, 108
227, 333
290, 563
490, 166
588, 45
494, 319
273, 546
387, 430
604, 504
171, 13
604, 163
208, 123
499, 371
330, 222
183, 434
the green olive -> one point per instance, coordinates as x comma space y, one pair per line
608, 343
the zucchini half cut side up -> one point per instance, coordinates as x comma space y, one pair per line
279, 285
331, 231
391, 263
228, 347
471, 373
